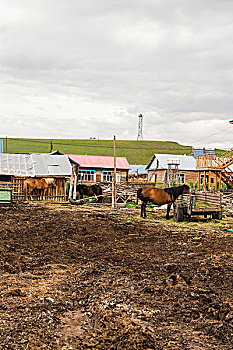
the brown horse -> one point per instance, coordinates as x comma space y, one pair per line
159, 196
93, 190
42, 185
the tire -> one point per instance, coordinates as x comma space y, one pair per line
217, 216
179, 214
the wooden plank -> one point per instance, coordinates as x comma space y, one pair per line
212, 201
205, 211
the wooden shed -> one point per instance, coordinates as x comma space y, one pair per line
16, 168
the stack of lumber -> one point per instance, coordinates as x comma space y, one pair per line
227, 202
124, 192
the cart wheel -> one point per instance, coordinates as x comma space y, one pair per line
179, 214
217, 215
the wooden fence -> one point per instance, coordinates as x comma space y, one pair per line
55, 194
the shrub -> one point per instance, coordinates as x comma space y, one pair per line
190, 184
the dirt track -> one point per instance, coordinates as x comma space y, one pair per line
91, 278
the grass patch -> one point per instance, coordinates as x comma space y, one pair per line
137, 152
130, 204
202, 205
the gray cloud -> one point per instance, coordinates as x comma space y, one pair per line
100, 63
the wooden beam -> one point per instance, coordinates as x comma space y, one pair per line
220, 180
209, 180
71, 182
114, 181
199, 180
75, 185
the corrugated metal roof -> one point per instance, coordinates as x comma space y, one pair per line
51, 165
16, 165
160, 161
87, 161
57, 152
30, 165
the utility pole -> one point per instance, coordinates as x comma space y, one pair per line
114, 180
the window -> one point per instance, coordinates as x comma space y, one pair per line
87, 175
181, 178
108, 176
202, 179
207, 179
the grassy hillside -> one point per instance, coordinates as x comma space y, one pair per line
137, 152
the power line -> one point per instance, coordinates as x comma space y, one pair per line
218, 132
118, 147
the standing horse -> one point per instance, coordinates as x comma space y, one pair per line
42, 185
159, 196
93, 190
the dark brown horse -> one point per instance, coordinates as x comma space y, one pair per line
93, 190
159, 196
42, 185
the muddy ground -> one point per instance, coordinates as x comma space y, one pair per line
93, 278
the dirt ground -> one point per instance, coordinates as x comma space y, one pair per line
89, 277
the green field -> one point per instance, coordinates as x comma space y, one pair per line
136, 152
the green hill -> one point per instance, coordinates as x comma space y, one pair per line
137, 152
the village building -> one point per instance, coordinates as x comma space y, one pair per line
170, 168
16, 168
94, 169
216, 170
138, 173
173, 169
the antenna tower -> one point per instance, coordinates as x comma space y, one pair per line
140, 122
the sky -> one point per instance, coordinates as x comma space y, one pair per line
81, 69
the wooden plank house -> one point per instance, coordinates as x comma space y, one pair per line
94, 169
16, 168
172, 169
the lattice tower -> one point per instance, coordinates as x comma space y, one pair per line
140, 123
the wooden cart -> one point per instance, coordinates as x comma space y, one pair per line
198, 203
5, 196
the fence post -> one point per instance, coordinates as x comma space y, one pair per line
115, 202
71, 183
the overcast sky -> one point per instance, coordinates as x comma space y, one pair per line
88, 68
